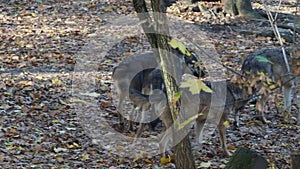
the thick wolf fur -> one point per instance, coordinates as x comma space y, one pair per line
127, 80
126, 72
235, 99
276, 69
154, 82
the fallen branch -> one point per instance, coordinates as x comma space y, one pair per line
285, 34
286, 26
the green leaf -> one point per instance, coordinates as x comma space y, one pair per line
261, 58
189, 120
157, 167
177, 96
195, 86
181, 47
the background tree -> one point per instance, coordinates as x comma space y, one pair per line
240, 7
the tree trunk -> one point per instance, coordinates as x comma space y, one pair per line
240, 7
158, 36
295, 160
183, 154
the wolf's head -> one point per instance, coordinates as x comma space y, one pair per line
295, 60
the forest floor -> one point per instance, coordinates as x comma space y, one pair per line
56, 95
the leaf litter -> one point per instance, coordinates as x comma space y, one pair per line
39, 127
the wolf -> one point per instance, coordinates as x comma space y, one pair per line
235, 96
132, 75
135, 68
274, 66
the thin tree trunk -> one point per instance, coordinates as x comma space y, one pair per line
240, 7
295, 160
158, 36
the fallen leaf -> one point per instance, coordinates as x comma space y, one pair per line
231, 147
227, 124
205, 164
164, 160
59, 149
85, 157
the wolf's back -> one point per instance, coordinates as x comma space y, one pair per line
274, 65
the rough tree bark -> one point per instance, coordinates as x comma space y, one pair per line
295, 160
240, 7
158, 36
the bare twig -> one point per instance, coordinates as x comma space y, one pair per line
274, 26
294, 24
